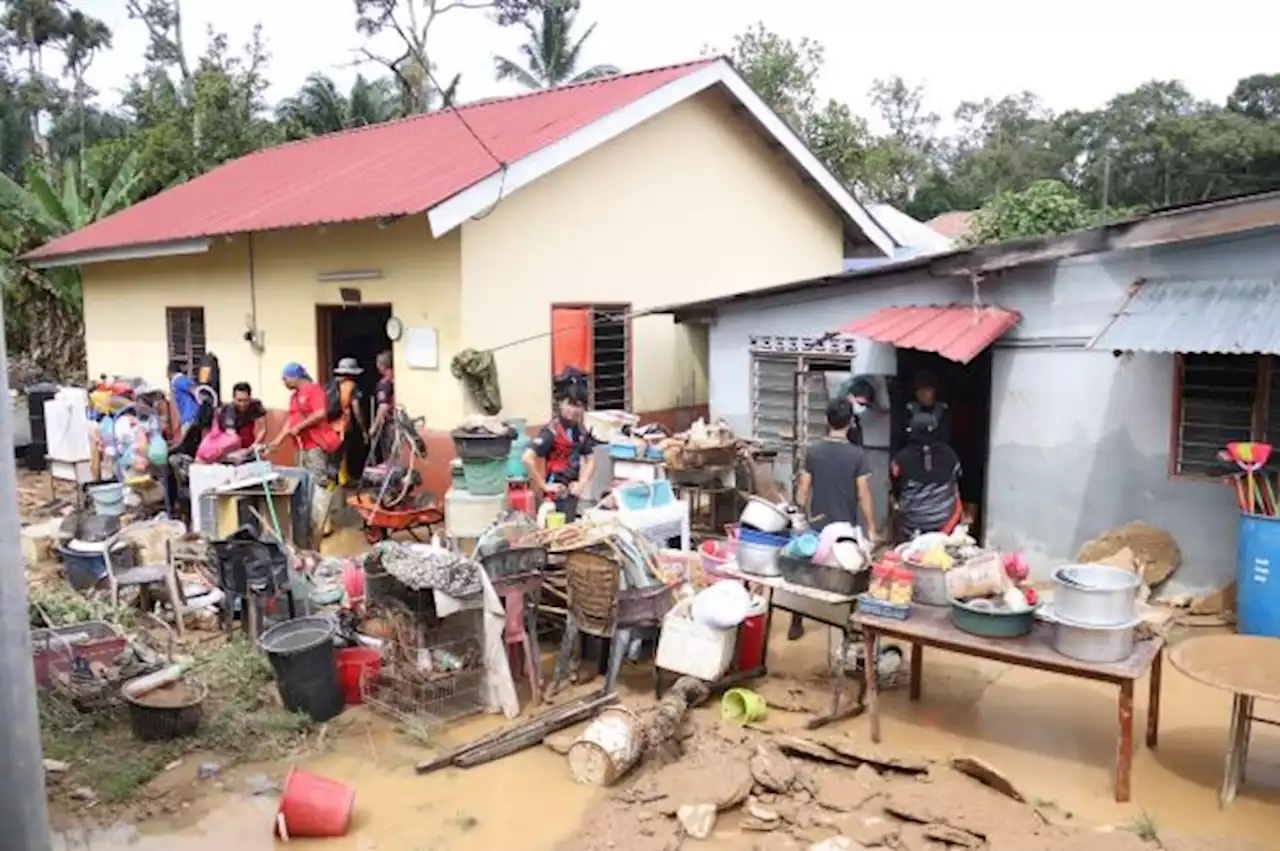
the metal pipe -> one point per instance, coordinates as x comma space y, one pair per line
22, 803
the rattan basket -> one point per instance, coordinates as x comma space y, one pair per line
593, 580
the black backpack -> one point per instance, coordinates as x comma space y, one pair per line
333, 401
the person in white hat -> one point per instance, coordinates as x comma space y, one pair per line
347, 402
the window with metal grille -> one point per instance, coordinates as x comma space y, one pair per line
610, 359
1222, 399
782, 418
185, 333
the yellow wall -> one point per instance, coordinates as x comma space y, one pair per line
689, 205
125, 305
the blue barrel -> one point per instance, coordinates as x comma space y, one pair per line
1258, 575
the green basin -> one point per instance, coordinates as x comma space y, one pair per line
992, 624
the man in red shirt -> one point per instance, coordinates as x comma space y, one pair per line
316, 438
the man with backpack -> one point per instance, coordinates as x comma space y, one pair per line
316, 438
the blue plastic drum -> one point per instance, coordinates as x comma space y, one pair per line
1258, 575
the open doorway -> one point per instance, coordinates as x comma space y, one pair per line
966, 388
353, 331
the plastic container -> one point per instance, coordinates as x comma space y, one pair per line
468, 515
303, 657
751, 636
759, 559
992, 623
1257, 583
108, 499
481, 447
715, 555
356, 666
54, 650
313, 806
516, 561
515, 457
86, 569
743, 706
637, 496
487, 477
883, 609
902, 586
692, 648
520, 498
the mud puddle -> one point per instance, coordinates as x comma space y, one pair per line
1052, 736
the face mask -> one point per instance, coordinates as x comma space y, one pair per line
859, 407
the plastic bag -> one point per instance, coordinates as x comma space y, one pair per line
157, 447
724, 605
216, 443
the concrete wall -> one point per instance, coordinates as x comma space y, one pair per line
124, 305
690, 204
1080, 439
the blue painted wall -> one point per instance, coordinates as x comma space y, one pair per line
1079, 439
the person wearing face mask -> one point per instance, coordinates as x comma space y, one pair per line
861, 396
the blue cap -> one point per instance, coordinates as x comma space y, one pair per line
294, 370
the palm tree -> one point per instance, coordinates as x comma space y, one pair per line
319, 107
551, 54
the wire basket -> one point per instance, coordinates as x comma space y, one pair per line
431, 676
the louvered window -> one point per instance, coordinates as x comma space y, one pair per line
185, 333
611, 359
1222, 399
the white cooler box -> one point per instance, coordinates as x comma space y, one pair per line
692, 648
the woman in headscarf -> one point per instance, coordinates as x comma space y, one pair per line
925, 478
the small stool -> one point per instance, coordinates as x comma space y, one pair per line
517, 634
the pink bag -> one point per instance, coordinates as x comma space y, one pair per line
217, 443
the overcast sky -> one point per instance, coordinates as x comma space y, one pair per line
1072, 54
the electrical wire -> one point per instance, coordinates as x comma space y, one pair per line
501, 163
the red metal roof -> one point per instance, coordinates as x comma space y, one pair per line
398, 168
958, 332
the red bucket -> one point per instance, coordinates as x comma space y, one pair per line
313, 806
355, 664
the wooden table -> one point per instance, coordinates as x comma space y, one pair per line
931, 626
1248, 666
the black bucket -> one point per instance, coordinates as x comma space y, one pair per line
302, 654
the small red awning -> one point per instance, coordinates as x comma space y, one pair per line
958, 332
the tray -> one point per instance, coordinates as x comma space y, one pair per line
799, 571
869, 605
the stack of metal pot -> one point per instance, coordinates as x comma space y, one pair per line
1095, 612
764, 529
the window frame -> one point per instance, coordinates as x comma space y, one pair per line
628, 326
1259, 424
192, 356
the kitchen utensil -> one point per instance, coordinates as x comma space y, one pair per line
931, 584
991, 622
759, 559
1096, 594
765, 516
1091, 643
832, 579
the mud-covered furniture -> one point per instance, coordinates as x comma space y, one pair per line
931, 626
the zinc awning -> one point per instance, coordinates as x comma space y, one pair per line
958, 332
1232, 316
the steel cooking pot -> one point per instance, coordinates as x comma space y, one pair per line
1095, 594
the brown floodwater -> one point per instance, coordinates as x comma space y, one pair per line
1053, 736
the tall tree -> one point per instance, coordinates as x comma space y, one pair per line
31, 27
552, 55
85, 38
410, 23
320, 107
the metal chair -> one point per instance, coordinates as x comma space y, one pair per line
143, 577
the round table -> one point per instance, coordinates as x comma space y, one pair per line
1248, 666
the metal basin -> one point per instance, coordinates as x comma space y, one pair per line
1089, 643
1095, 594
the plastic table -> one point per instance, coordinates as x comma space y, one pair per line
1248, 666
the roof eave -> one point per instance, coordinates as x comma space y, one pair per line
147, 251
480, 198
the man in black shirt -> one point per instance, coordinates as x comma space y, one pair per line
385, 399
926, 401
835, 486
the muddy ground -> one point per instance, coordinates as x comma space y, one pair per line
1053, 737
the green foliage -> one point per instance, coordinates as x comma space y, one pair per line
1044, 208
552, 55
319, 107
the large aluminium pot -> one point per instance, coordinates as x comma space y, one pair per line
1095, 594
1088, 643
765, 516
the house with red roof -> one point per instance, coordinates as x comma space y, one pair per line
540, 227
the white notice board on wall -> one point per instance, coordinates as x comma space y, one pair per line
422, 348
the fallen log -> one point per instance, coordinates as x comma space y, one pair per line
615, 742
536, 729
